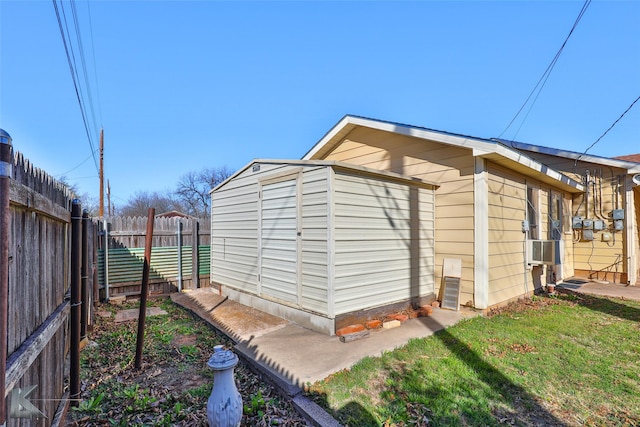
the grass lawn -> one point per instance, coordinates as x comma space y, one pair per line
568, 360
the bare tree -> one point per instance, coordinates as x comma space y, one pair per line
89, 203
193, 189
141, 201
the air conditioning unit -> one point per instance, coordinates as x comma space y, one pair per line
541, 252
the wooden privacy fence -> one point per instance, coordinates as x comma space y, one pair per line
39, 263
180, 256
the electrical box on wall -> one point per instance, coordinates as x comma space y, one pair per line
617, 214
606, 236
618, 225
598, 225
576, 222
587, 234
587, 224
525, 226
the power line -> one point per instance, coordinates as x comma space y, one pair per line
83, 63
607, 131
95, 68
77, 166
545, 76
68, 47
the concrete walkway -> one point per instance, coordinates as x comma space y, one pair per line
297, 356
601, 288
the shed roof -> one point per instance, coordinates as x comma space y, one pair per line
492, 149
345, 167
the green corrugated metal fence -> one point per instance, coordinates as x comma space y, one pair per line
125, 265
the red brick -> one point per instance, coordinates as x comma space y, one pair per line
373, 324
398, 316
349, 329
425, 310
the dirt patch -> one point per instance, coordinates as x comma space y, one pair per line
174, 382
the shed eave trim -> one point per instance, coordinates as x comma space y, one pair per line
335, 165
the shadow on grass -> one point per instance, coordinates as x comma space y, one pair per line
485, 398
606, 305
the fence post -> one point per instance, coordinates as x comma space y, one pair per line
144, 291
6, 160
179, 256
195, 264
76, 302
106, 260
84, 275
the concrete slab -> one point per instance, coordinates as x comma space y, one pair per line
132, 314
600, 288
292, 356
237, 321
301, 356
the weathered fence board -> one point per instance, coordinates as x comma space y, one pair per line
39, 258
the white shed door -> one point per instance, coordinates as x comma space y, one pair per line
279, 241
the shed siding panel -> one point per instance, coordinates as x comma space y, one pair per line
314, 257
234, 229
380, 258
279, 269
452, 167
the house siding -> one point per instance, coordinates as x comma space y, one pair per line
596, 258
452, 167
507, 196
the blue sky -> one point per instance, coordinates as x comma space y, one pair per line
180, 86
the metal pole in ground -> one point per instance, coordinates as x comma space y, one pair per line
76, 302
144, 291
84, 273
106, 260
179, 256
6, 161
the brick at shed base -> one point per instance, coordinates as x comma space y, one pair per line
399, 317
391, 324
373, 324
425, 310
350, 329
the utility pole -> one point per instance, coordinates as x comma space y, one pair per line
101, 209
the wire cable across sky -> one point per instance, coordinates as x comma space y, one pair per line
73, 68
537, 89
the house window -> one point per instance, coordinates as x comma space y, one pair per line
533, 208
555, 216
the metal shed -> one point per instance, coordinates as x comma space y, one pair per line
320, 241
